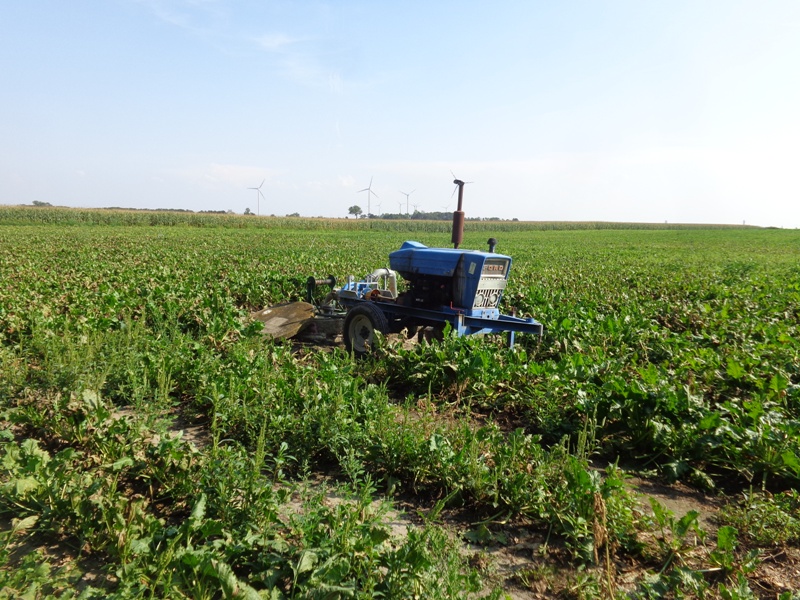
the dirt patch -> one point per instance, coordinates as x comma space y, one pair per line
194, 434
678, 499
69, 568
778, 572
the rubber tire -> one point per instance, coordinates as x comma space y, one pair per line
360, 325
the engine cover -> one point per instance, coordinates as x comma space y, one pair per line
470, 279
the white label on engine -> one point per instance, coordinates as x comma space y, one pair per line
472, 268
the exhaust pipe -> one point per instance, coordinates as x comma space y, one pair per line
458, 217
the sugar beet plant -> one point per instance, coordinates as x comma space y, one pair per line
675, 350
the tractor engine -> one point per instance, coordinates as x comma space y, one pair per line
467, 280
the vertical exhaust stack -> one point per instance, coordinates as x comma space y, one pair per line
458, 217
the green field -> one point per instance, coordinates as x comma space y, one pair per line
153, 443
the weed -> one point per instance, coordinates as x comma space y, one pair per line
766, 519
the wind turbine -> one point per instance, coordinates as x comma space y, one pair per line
370, 193
259, 195
407, 195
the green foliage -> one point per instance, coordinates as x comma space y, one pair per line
672, 350
678, 540
766, 519
44, 214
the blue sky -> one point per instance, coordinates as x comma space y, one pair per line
679, 111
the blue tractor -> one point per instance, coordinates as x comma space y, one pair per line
442, 285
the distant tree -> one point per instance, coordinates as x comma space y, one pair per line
40, 203
247, 211
294, 214
355, 210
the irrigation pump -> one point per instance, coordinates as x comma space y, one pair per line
442, 285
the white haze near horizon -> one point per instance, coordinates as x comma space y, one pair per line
570, 111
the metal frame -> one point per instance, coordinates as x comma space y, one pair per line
399, 316
461, 323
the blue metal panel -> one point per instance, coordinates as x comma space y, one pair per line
414, 258
464, 268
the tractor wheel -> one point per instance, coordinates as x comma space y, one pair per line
360, 325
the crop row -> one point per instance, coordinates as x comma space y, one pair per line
699, 358
61, 216
670, 350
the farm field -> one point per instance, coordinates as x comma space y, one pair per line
154, 443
